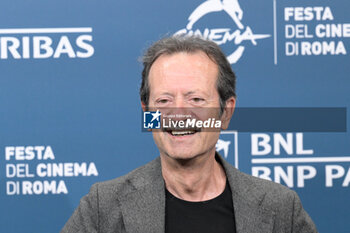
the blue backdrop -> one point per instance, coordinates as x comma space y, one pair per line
70, 113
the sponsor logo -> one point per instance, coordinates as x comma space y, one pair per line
236, 35
227, 146
283, 158
43, 43
222, 145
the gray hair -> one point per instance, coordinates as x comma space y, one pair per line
226, 82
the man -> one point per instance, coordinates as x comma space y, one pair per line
189, 188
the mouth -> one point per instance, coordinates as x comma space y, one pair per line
182, 132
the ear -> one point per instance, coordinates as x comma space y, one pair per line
143, 105
144, 108
228, 112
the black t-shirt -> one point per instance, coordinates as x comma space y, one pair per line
212, 216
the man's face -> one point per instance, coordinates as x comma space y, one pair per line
181, 81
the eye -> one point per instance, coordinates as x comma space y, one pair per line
162, 101
197, 100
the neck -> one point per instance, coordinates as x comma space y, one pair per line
198, 179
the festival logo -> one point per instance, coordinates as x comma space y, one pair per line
236, 34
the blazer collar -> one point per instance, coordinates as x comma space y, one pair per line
143, 208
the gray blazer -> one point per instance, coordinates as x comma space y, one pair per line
135, 203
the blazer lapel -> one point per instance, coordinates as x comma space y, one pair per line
143, 208
250, 215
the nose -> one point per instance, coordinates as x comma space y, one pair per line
181, 106
180, 103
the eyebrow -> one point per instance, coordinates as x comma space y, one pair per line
166, 93
186, 94
194, 92
190, 92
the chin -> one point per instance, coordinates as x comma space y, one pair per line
183, 156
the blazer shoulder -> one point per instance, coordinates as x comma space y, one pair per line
132, 181
253, 188
285, 203
268, 193
266, 186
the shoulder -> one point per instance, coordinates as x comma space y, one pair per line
252, 188
263, 184
270, 198
269, 193
130, 182
100, 209
273, 197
